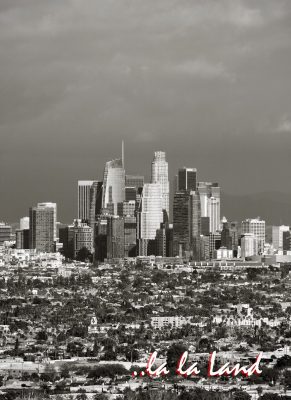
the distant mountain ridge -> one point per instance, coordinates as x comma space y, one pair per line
273, 207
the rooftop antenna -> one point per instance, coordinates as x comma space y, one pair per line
122, 152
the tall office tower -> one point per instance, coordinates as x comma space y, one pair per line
277, 236
127, 208
115, 237
113, 185
95, 202
84, 188
229, 236
204, 248
100, 239
258, 228
160, 175
181, 226
150, 215
210, 203
130, 236
5, 232
249, 245
136, 181
205, 225
187, 179
22, 238
54, 206
195, 224
214, 243
226, 239
42, 227
213, 211
130, 193
24, 223
161, 241
286, 241
233, 226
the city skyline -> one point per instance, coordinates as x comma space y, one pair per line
227, 203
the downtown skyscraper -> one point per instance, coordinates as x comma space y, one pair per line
210, 204
159, 174
84, 188
150, 215
113, 185
42, 227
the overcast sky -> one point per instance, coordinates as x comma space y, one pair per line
207, 81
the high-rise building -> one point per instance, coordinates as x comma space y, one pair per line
136, 181
249, 245
84, 188
54, 206
126, 208
42, 227
277, 236
130, 193
286, 241
258, 228
195, 224
187, 179
181, 223
210, 204
22, 238
150, 215
95, 202
213, 211
115, 237
205, 225
75, 237
5, 232
100, 239
24, 223
130, 236
113, 185
160, 175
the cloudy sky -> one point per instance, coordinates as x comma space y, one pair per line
207, 81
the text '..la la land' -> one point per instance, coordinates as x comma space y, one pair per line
193, 370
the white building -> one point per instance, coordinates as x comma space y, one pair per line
213, 211
151, 214
277, 236
113, 185
174, 322
257, 227
210, 204
223, 254
160, 175
249, 245
24, 223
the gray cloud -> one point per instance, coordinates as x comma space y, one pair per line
207, 81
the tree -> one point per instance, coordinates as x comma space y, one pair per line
64, 371
82, 396
240, 395
270, 396
174, 353
41, 335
